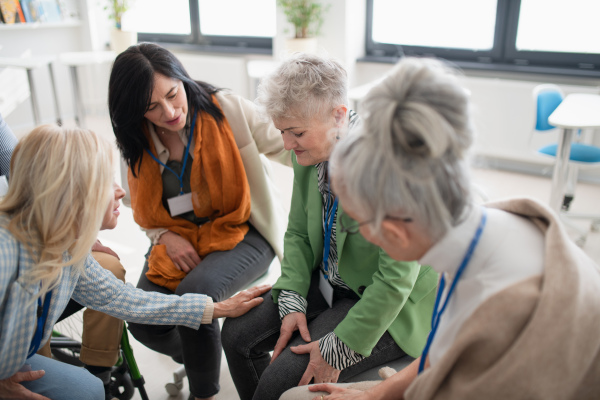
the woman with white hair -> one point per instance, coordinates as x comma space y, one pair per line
61, 192
355, 306
517, 314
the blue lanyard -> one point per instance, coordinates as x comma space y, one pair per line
185, 157
328, 229
437, 312
41, 322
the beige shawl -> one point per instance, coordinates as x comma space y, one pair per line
539, 339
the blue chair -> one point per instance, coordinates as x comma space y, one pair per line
547, 97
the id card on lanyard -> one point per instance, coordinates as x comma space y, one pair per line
42, 315
438, 309
324, 285
183, 202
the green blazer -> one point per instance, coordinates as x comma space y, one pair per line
397, 297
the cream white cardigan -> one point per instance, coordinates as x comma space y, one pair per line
257, 140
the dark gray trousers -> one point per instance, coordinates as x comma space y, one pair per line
247, 341
220, 275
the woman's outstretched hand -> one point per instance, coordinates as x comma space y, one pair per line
241, 303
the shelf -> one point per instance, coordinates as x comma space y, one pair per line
40, 25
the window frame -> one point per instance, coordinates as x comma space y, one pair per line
503, 56
557, 59
249, 44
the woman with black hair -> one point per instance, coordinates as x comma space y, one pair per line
200, 190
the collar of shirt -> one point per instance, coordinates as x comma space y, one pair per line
162, 153
447, 253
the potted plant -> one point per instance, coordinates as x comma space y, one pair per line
307, 18
120, 39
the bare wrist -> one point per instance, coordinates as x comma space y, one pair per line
218, 311
158, 237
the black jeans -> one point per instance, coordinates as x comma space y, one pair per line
248, 339
220, 275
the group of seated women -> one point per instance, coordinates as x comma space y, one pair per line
386, 253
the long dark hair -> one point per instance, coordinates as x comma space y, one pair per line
130, 92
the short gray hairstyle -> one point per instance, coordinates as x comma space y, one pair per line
408, 157
304, 86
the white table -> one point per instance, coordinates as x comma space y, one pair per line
258, 69
577, 111
356, 94
78, 59
29, 64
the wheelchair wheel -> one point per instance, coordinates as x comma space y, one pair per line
122, 387
65, 349
68, 356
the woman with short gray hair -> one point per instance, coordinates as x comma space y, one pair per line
355, 306
306, 86
517, 299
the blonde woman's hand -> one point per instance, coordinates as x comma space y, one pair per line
241, 303
11, 388
180, 251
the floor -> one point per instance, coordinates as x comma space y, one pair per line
131, 244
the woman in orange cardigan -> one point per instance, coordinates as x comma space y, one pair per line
199, 189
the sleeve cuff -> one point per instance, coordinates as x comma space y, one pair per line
289, 302
336, 353
209, 310
155, 234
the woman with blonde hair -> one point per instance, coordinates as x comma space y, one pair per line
517, 314
61, 193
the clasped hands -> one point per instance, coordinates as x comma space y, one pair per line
317, 369
180, 251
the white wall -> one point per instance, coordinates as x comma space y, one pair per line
503, 105
41, 42
504, 116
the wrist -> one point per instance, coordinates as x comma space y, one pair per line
218, 310
158, 237
209, 311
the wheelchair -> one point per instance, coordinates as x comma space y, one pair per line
125, 375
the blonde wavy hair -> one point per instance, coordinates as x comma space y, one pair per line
60, 187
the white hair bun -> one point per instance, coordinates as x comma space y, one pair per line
425, 110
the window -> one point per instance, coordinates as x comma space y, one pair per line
421, 27
538, 35
149, 16
223, 23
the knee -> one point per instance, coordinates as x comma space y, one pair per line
111, 264
86, 387
236, 334
231, 334
93, 390
205, 286
146, 333
118, 270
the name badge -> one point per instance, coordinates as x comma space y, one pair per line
326, 289
180, 204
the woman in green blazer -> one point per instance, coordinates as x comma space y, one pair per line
355, 306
